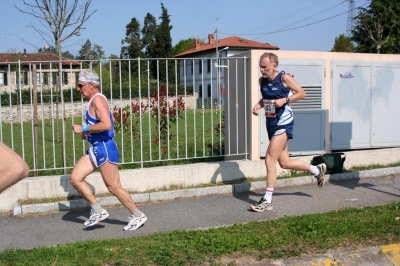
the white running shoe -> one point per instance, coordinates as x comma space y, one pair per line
135, 222
96, 217
321, 176
262, 205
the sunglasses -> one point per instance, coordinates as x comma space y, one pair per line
80, 86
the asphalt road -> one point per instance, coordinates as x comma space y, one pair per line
48, 229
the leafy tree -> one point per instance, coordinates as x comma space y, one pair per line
87, 52
343, 44
163, 49
184, 45
97, 52
113, 56
68, 55
377, 27
132, 41
149, 35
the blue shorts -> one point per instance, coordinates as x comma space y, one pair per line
103, 151
275, 130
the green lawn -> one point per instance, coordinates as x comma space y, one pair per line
190, 141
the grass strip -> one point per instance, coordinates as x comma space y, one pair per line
279, 238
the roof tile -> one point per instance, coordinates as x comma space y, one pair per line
34, 57
231, 42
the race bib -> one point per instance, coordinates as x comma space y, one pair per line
269, 108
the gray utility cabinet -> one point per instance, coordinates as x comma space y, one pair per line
309, 113
364, 105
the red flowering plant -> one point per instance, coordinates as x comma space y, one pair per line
121, 116
138, 108
165, 108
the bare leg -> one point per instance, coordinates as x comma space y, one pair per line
82, 169
294, 164
276, 147
111, 178
12, 167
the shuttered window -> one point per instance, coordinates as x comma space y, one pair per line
22, 77
3, 78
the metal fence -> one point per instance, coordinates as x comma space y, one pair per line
163, 113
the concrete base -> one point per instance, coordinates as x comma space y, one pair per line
140, 180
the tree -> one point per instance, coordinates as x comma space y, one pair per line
377, 28
87, 52
149, 35
343, 44
57, 16
133, 41
163, 47
68, 55
184, 45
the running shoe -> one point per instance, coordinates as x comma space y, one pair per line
262, 205
135, 222
96, 217
321, 176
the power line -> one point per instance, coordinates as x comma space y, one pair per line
306, 18
287, 16
302, 26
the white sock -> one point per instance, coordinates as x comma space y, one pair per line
268, 194
97, 208
136, 213
314, 170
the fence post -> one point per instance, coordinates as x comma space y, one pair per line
35, 119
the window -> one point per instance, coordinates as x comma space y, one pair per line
22, 76
200, 91
65, 78
55, 78
39, 78
191, 67
3, 78
209, 90
200, 66
208, 65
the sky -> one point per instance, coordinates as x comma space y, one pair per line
304, 25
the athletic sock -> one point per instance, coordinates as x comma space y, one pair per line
97, 208
268, 194
314, 170
136, 213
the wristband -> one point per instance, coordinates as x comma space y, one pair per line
85, 129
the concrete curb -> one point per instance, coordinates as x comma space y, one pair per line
197, 192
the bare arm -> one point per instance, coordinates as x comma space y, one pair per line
259, 104
257, 107
290, 83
